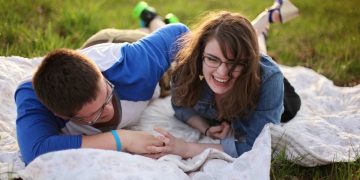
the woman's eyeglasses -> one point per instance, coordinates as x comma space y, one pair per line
215, 62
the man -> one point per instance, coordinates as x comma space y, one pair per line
77, 99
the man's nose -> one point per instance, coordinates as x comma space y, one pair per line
107, 108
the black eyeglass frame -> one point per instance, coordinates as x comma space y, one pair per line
99, 112
229, 64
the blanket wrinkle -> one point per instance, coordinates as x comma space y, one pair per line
325, 130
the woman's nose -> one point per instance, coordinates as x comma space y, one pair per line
223, 69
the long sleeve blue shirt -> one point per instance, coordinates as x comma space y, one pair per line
134, 69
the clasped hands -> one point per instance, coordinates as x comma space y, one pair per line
168, 144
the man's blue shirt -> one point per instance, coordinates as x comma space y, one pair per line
134, 69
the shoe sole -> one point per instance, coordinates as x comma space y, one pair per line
288, 11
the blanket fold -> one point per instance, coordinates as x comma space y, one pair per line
325, 130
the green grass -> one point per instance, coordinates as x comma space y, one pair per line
326, 38
282, 169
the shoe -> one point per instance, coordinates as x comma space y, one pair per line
286, 9
145, 13
171, 18
265, 33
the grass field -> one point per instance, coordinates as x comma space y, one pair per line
326, 38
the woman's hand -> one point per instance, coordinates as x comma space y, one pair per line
219, 131
171, 145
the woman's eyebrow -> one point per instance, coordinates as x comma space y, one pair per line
217, 58
212, 56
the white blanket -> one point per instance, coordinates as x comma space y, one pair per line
326, 130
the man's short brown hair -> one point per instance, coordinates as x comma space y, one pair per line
65, 81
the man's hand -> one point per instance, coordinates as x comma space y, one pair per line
219, 131
137, 141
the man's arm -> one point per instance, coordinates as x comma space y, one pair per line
39, 131
137, 67
131, 141
143, 63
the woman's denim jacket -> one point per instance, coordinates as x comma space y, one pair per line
245, 130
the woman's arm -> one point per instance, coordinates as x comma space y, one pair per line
198, 123
216, 132
190, 117
268, 110
173, 145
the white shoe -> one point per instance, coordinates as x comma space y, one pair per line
287, 11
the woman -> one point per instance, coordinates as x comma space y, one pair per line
223, 86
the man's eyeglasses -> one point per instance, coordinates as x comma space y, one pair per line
98, 113
215, 62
